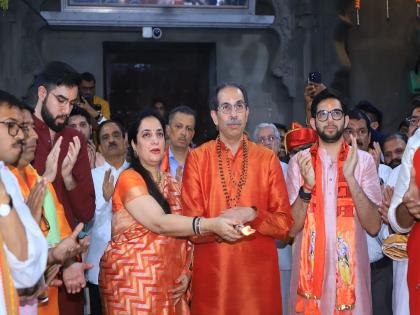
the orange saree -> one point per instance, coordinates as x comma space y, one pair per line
27, 181
139, 267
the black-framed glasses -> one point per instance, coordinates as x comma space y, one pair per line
268, 139
63, 100
336, 114
227, 108
13, 127
413, 120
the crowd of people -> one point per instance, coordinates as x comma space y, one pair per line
100, 217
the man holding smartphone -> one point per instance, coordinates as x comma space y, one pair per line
97, 107
313, 88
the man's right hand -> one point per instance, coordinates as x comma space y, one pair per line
87, 107
68, 247
241, 214
311, 90
306, 168
35, 199
108, 185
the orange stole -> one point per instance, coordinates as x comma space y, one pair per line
139, 267
26, 184
9, 293
313, 244
238, 278
164, 165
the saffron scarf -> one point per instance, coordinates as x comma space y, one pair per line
10, 296
50, 225
312, 261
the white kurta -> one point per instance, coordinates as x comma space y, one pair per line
400, 178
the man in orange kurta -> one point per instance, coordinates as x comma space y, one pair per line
27, 178
244, 180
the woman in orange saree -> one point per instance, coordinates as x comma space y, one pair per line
146, 266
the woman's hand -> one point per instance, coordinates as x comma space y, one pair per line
224, 227
181, 287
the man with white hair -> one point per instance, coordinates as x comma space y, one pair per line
268, 135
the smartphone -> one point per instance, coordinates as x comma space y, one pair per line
314, 77
97, 107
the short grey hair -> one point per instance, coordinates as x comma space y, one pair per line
265, 125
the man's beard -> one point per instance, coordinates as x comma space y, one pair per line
330, 138
50, 120
394, 163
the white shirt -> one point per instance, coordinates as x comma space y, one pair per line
400, 288
375, 243
100, 233
402, 182
26, 273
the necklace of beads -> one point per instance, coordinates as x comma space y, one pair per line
232, 202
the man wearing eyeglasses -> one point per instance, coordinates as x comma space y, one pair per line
241, 180
24, 249
57, 88
334, 191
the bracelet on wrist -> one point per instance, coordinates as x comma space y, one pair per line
196, 225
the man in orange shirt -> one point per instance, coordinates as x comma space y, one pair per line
243, 180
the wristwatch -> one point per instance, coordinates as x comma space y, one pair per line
5, 208
306, 197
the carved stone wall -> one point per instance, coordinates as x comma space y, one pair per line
367, 62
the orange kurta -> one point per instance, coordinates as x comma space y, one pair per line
26, 183
241, 277
139, 267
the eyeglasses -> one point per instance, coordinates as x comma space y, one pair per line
362, 132
336, 114
227, 108
63, 100
413, 120
13, 128
268, 139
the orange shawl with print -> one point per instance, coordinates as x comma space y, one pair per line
313, 244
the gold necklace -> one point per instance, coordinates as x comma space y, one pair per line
158, 179
232, 202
